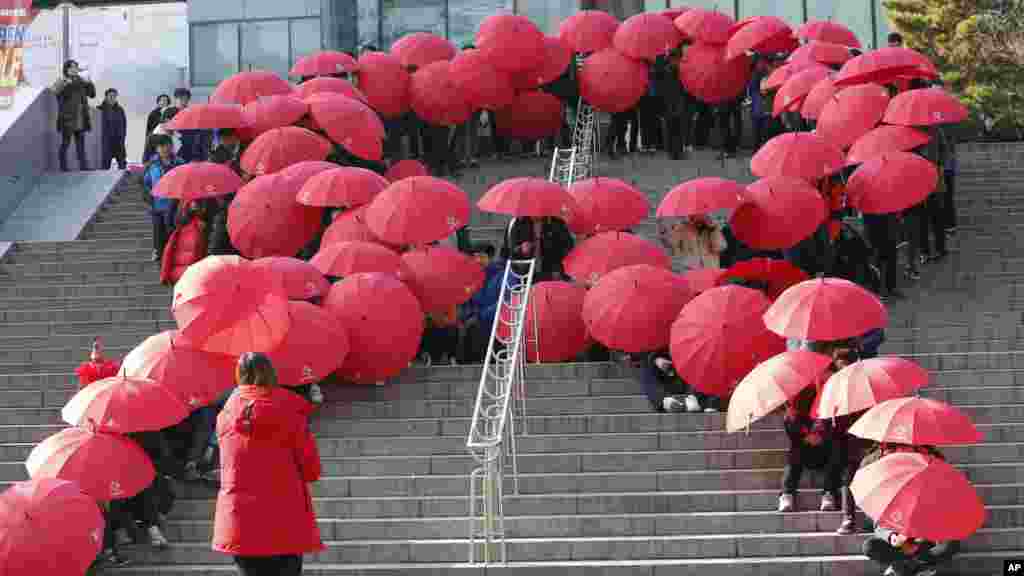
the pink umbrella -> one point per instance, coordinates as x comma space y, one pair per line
436, 97
797, 87
818, 97
883, 140
701, 196
646, 36
803, 155
608, 204
327, 85
612, 82
706, 73
706, 26
481, 84
324, 63
350, 123
511, 42
827, 31
762, 34
852, 113
588, 31
385, 82
925, 107
301, 280
421, 48
271, 112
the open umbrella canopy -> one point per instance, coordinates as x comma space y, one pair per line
826, 309
608, 204
632, 308
925, 107
883, 140
350, 123
778, 213
802, 155
269, 112
197, 180
797, 87
436, 98
418, 210
223, 304
265, 219
603, 253
706, 73
246, 87
913, 495
771, 384
762, 34
719, 337
820, 95
315, 346
701, 196
440, 276
613, 82
588, 31
279, 148
350, 226
406, 169
852, 113
105, 466
422, 48
511, 42
346, 258
891, 183
327, 85
701, 280
324, 63
825, 53
554, 329
866, 383
706, 26
195, 377
481, 84
384, 322
530, 116
208, 117
558, 57
780, 75
48, 526
344, 187
534, 197
884, 65
646, 36
827, 31
918, 422
775, 275
123, 405
385, 82
301, 280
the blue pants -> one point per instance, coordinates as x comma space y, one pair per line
163, 225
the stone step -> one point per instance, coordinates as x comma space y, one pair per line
140, 250
155, 299
149, 275
71, 327
55, 290
123, 312
79, 246
96, 265
80, 342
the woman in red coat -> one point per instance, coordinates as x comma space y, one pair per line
187, 244
265, 515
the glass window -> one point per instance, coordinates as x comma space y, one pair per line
791, 11
403, 17
655, 5
265, 46
305, 38
214, 53
465, 16
882, 33
547, 14
723, 6
369, 23
854, 15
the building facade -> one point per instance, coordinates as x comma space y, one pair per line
228, 36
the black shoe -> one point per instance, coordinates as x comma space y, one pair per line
939, 256
896, 294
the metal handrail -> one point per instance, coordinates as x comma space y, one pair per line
502, 379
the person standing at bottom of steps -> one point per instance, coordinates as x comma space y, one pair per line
265, 516
161, 210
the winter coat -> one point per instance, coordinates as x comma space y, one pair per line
185, 247
152, 174
222, 154
115, 125
89, 372
268, 457
668, 87
73, 106
701, 248
484, 304
565, 87
556, 243
218, 239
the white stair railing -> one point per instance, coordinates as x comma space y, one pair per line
492, 433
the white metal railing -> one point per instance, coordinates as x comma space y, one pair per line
492, 433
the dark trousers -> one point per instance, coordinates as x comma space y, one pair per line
802, 456
65, 142
679, 134
705, 119
440, 341
730, 123
880, 551
948, 205
933, 223
437, 149
394, 129
649, 113
912, 234
114, 151
163, 225
473, 342
765, 128
814, 254
617, 131
269, 565
881, 232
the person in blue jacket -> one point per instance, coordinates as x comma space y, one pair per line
162, 210
477, 315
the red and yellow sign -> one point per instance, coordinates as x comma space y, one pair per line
15, 18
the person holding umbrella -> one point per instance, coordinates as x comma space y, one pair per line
162, 210
546, 239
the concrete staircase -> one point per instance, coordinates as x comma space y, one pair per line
606, 487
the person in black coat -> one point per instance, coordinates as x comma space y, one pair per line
218, 240
553, 237
678, 105
73, 119
163, 102
115, 131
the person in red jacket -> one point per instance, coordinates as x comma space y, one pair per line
264, 515
187, 244
97, 368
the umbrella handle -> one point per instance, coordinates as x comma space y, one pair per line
750, 420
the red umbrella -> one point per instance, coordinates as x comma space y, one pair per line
246, 87
350, 123
588, 31
440, 276
632, 308
884, 140
208, 117
827, 31
777, 275
122, 405
603, 253
406, 169
534, 197
864, 384
385, 83
345, 187
418, 210
271, 112
422, 48
916, 421
795, 90
105, 466
314, 347
511, 42
384, 322
771, 384
558, 57
554, 329
646, 36
281, 147
701, 196
296, 175
607, 204
779, 213
347, 258
802, 155
196, 377
913, 495
480, 83
826, 309
762, 34
705, 26
612, 82
885, 65
324, 63
197, 180
780, 75
223, 304
701, 280
436, 97
301, 280
264, 219
891, 183
674, 13
350, 226
823, 53
48, 526
719, 337
327, 85
852, 113
925, 107
818, 97
530, 116
706, 73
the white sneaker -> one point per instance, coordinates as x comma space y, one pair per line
890, 571
672, 404
692, 404
156, 537
315, 394
828, 503
926, 572
786, 503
